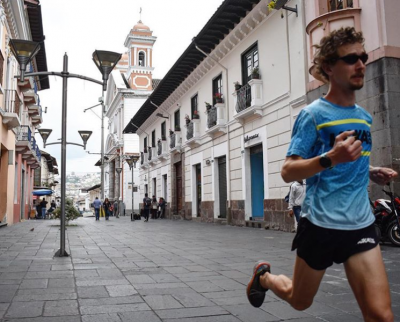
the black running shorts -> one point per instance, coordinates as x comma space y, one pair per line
321, 247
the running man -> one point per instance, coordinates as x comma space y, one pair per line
330, 146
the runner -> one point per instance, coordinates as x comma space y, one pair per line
330, 146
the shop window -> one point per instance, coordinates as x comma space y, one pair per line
339, 4
145, 144
249, 61
194, 104
216, 87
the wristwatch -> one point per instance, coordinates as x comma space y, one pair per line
325, 161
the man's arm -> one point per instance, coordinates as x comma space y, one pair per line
345, 149
380, 175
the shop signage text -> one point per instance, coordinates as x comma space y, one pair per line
248, 138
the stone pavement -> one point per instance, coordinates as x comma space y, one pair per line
175, 271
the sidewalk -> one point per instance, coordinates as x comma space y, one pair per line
163, 270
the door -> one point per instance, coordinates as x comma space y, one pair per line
154, 187
165, 187
222, 186
22, 199
198, 189
178, 172
257, 182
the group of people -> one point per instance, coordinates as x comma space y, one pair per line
110, 209
41, 208
153, 207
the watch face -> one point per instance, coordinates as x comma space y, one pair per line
325, 161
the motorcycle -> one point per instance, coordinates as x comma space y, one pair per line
387, 218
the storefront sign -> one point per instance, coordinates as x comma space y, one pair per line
248, 138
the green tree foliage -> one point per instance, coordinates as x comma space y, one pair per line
71, 213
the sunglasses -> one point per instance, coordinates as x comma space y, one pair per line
353, 58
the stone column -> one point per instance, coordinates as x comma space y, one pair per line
117, 179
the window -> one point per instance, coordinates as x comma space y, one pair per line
142, 59
194, 104
163, 130
153, 138
339, 4
145, 144
249, 61
177, 119
216, 87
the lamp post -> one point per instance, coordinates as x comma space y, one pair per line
24, 51
118, 170
132, 165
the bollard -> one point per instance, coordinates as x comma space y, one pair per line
132, 217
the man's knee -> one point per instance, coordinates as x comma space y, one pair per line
301, 304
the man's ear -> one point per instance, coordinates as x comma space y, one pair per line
327, 68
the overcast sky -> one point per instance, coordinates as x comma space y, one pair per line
78, 27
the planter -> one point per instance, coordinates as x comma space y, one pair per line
255, 76
237, 87
219, 100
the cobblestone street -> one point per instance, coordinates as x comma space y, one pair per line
162, 270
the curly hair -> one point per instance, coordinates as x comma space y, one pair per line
327, 49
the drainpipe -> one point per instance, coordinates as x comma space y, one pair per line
229, 214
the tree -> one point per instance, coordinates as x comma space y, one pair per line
71, 213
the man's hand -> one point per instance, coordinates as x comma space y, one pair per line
345, 149
291, 213
381, 176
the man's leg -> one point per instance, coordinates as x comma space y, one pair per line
368, 280
300, 291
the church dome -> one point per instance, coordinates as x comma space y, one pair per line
140, 26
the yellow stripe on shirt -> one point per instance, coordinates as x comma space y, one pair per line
365, 153
345, 121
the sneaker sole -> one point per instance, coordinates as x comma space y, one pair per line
256, 266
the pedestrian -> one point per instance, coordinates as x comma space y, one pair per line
330, 146
161, 207
106, 207
146, 206
96, 206
43, 205
115, 208
154, 207
296, 197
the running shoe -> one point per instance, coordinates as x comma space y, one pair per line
255, 292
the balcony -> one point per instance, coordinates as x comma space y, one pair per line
162, 152
152, 156
144, 164
13, 108
175, 142
37, 118
193, 133
26, 145
216, 120
249, 100
322, 25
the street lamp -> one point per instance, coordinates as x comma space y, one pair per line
132, 164
119, 170
24, 51
45, 133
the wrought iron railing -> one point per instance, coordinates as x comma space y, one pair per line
189, 134
38, 154
212, 117
243, 98
149, 156
141, 158
159, 148
33, 144
172, 141
24, 133
12, 101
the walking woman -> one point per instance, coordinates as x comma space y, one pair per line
106, 207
